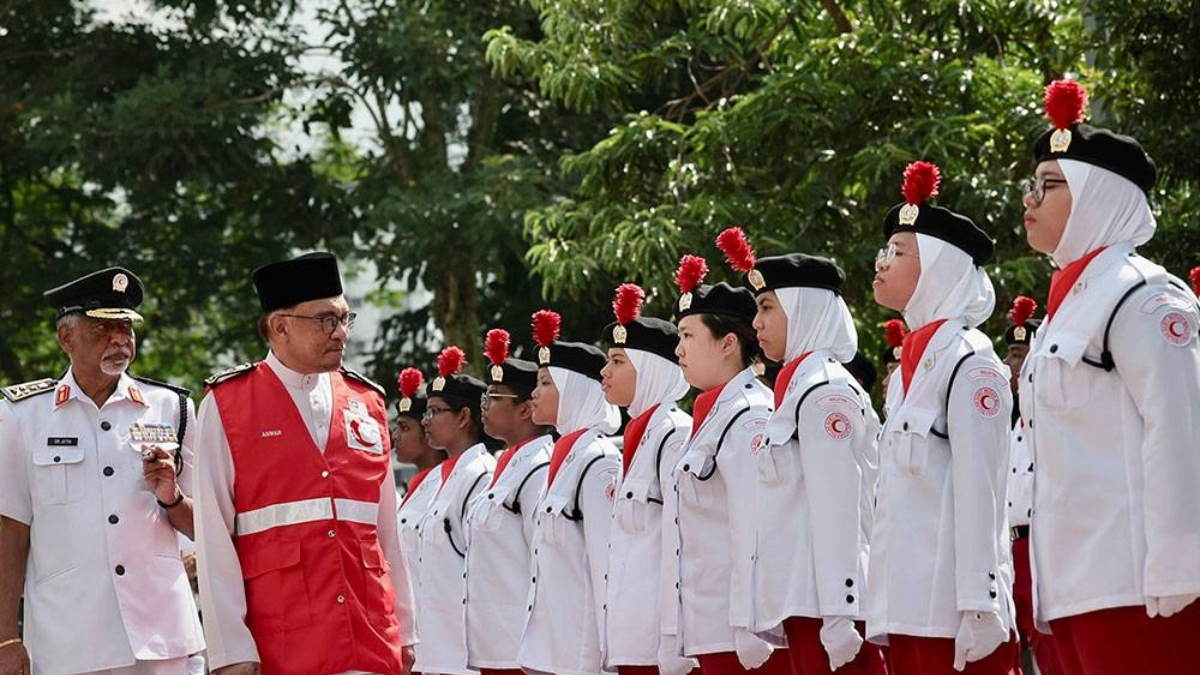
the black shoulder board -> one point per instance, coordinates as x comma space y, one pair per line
226, 375
365, 380
18, 392
165, 385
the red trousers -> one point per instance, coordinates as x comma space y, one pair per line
1124, 641
725, 663
1042, 644
908, 655
808, 655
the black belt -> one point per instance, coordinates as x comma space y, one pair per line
1020, 532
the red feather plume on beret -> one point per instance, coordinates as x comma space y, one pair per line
410, 381
1195, 275
495, 346
546, 327
691, 272
921, 181
1065, 101
1022, 310
627, 304
450, 361
738, 253
893, 332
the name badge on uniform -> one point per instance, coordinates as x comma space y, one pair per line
363, 433
144, 436
62, 441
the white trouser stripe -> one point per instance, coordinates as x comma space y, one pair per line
357, 512
278, 515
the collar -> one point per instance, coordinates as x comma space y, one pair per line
292, 379
68, 388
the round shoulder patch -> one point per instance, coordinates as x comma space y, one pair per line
1176, 328
987, 402
837, 425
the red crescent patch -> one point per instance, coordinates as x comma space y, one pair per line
987, 402
757, 443
837, 425
1176, 329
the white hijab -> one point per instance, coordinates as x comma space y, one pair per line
951, 286
817, 319
658, 381
1106, 209
581, 403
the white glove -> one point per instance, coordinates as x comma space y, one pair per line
979, 634
840, 639
669, 660
752, 651
1167, 605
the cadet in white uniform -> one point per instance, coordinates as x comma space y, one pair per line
715, 505
500, 523
940, 571
92, 492
817, 472
570, 536
452, 423
1110, 393
643, 376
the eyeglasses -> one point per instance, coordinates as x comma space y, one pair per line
1037, 188
887, 255
485, 401
431, 412
329, 322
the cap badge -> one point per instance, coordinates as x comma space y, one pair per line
909, 213
439, 383
619, 334
685, 302
1019, 333
1060, 140
405, 404
544, 356
896, 352
120, 282
497, 373
756, 279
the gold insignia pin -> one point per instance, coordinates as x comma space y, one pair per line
120, 282
1020, 333
439, 383
909, 213
685, 302
896, 351
756, 279
1060, 140
544, 356
619, 334
497, 374
405, 404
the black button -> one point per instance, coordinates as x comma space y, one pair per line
535, 551
676, 520
120, 570
770, 410
992, 576
491, 495
905, 426
1028, 513
850, 599
464, 601
1031, 468
628, 495
1030, 378
403, 521
849, 583
57, 458
1030, 422
1053, 349
105, 425
686, 467
606, 577
529, 609
992, 594
676, 585
114, 519
108, 471
1018, 439
464, 575
966, 328
1010, 505
676, 551
748, 385
1014, 469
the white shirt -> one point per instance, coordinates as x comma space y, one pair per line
1020, 477
104, 583
222, 589
1117, 453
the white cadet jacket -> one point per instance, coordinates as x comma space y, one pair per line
104, 583
1020, 476
816, 497
570, 548
408, 516
635, 556
940, 543
441, 547
499, 539
716, 513
1117, 453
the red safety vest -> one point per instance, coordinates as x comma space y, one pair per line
318, 595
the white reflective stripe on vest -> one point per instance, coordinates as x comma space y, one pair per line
289, 513
357, 512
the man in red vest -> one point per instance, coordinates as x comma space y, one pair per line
300, 562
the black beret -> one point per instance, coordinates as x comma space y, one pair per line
1119, 154
460, 389
795, 270
312, 276
953, 228
585, 359
890, 354
413, 406
647, 334
717, 299
516, 374
1021, 335
113, 293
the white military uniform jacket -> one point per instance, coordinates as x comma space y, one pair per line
570, 549
637, 587
715, 514
940, 543
408, 517
499, 539
441, 559
1120, 450
104, 584
816, 497
1020, 476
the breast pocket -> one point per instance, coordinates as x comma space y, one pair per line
488, 511
909, 450
778, 461
557, 512
638, 503
693, 478
276, 592
58, 474
1063, 381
